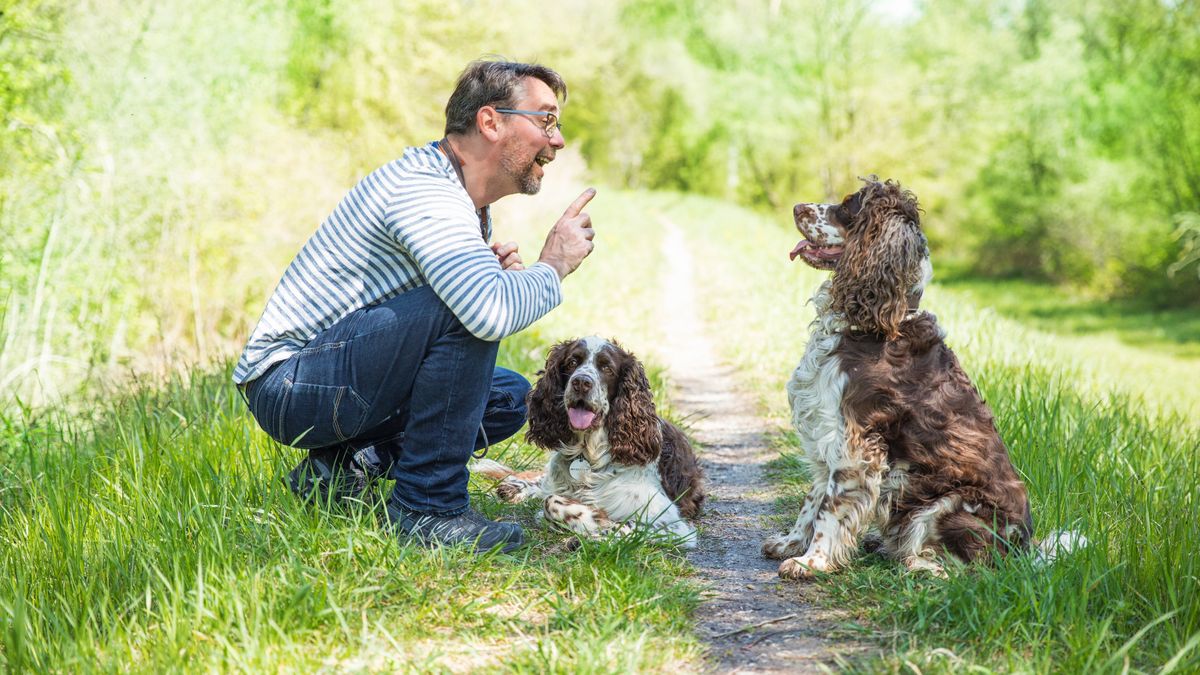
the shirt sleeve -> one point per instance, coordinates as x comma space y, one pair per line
440, 232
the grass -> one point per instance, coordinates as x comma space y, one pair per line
1174, 332
165, 538
1103, 448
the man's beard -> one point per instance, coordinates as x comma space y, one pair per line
520, 171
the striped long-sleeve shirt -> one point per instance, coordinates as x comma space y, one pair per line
407, 224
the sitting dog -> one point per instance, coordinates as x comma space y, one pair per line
593, 403
895, 435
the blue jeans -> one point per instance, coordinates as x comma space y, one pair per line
406, 377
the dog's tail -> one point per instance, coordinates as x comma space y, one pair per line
491, 468
1057, 544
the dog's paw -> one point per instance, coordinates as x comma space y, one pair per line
509, 492
804, 567
923, 564
783, 546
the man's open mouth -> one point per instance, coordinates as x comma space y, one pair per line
824, 257
543, 160
580, 416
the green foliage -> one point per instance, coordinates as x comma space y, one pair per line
1097, 156
32, 74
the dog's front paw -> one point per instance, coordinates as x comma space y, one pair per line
509, 492
783, 546
804, 567
927, 565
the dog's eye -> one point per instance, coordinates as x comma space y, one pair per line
572, 362
608, 370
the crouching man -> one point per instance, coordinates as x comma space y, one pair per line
377, 350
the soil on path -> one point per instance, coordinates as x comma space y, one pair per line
753, 622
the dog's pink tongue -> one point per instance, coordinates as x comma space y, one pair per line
581, 418
799, 247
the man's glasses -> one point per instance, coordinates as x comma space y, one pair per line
549, 126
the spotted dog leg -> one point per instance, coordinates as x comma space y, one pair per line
797, 540
583, 520
845, 511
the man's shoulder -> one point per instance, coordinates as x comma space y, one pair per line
420, 170
422, 161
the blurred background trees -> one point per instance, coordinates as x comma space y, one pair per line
161, 161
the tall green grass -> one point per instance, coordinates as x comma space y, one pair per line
162, 539
1104, 448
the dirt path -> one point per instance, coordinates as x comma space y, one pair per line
744, 588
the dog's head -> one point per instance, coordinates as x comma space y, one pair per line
592, 383
872, 241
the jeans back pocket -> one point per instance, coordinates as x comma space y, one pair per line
317, 415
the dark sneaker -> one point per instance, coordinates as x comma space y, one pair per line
468, 527
331, 476
374, 462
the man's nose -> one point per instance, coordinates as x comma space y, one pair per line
557, 140
581, 384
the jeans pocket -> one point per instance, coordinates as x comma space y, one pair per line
318, 415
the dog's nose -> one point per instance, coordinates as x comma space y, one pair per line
802, 211
581, 385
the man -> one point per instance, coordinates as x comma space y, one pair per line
377, 350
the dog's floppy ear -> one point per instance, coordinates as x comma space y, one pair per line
634, 435
882, 260
548, 425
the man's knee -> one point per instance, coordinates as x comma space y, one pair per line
506, 410
514, 387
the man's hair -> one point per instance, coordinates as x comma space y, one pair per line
494, 83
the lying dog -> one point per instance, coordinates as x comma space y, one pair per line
895, 435
593, 403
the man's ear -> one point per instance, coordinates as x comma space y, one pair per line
487, 121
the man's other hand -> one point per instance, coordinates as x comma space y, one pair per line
507, 254
570, 240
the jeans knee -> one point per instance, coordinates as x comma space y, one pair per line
513, 387
506, 410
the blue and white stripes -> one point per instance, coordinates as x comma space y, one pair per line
407, 224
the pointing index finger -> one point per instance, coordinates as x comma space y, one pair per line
580, 202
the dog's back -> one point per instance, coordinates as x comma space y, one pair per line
680, 471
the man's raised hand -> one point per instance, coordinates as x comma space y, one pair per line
570, 240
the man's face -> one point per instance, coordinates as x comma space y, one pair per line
525, 148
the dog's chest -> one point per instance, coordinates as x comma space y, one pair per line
815, 396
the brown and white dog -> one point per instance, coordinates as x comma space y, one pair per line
593, 403
896, 437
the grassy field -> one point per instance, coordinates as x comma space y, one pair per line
153, 534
